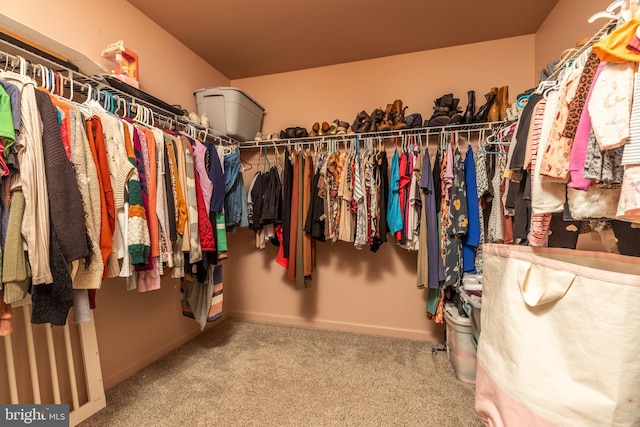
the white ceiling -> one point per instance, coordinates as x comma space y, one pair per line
245, 38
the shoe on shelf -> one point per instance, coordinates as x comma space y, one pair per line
376, 120
301, 132
359, 121
494, 112
398, 117
194, 117
503, 102
441, 111
387, 120
315, 129
324, 129
413, 120
483, 112
455, 114
470, 111
204, 120
258, 136
342, 127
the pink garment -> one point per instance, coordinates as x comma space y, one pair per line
634, 44
448, 173
581, 142
199, 151
540, 222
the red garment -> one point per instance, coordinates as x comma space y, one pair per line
403, 188
207, 238
280, 259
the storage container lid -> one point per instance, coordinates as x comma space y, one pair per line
227, 88
458, 322
475, 301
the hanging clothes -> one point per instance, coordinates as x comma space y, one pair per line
457, 224
471, 239
315, 220
394, 212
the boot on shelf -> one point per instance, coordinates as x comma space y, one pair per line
503, 102
483, 112
398, 119
362, 122
442, 108
470, 111
455, 114
387, 120
494, 111
376, 119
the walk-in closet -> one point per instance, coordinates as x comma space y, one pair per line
319, 213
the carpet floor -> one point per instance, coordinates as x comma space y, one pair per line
255, 374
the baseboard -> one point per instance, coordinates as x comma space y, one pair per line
127, 371
414, 334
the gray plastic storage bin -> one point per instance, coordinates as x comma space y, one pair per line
230, 111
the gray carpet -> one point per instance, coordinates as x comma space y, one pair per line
254, 374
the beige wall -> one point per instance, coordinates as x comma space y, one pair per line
168, 70
301, 98
133, 329
566, 24
359, 290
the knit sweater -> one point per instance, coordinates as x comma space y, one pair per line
89, 275
120, 171
138, 240
15, 269
67, 213
51, 302
124, 179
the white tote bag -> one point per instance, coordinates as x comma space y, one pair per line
560, 341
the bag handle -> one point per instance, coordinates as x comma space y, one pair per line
542, 285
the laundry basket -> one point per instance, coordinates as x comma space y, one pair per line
560, 338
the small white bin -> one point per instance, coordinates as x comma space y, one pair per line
460, 349
230, 111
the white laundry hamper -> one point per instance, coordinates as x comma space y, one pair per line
560, 338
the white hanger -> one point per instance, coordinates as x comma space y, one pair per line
610, 12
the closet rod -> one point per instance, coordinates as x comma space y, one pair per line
423, 131
11, 61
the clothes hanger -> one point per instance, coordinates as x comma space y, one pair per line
23, 65
609, 12
70, 80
